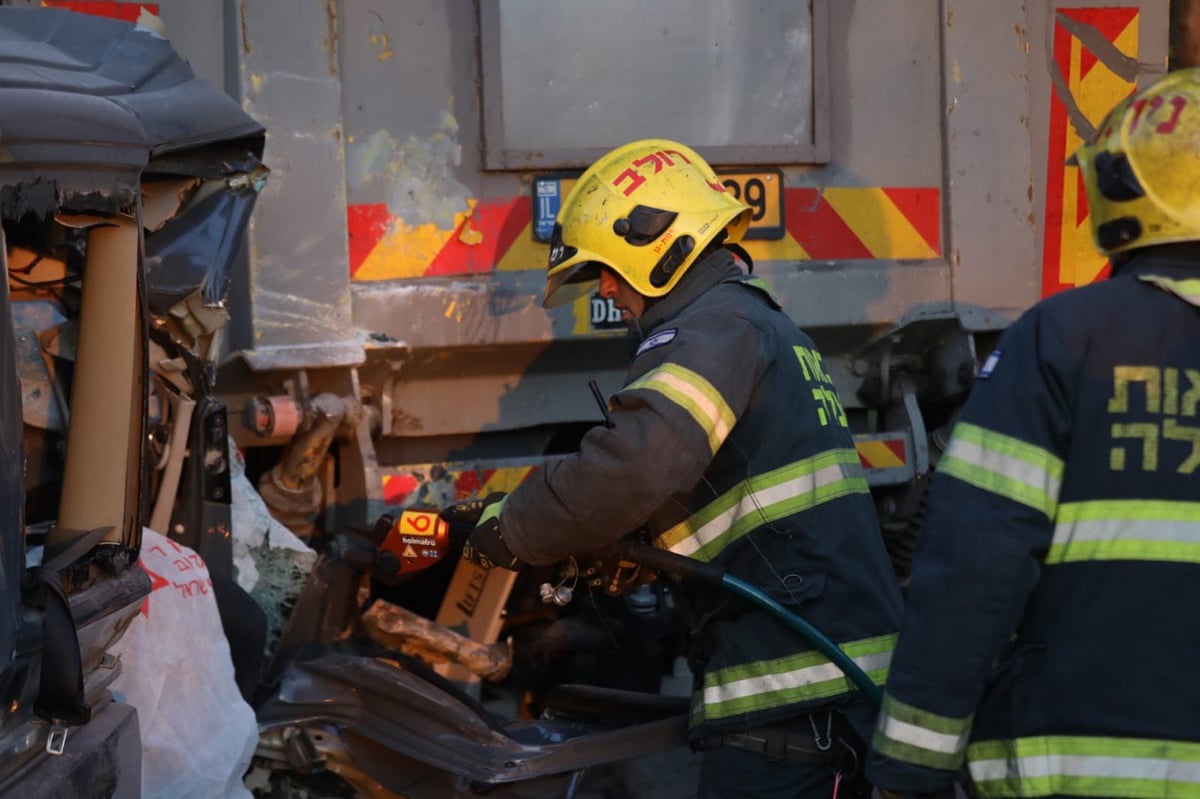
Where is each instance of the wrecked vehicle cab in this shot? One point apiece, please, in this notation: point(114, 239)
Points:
point(125, 187)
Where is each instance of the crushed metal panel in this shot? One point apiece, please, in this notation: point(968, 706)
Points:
point(195, 250)
point(161, 200)
point(87, 101)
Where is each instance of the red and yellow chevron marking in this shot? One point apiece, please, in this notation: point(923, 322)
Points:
point(838, 224)
point(885, 453)
point(468, 482)
point(383, 247)
point(833, 224)
point(1069, 258)
point(127, 12)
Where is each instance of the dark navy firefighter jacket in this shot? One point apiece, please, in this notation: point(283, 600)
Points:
point(1052, 632)
point(730, 444)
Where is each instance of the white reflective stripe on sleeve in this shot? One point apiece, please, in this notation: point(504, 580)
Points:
point(993, 462)
point(913, 735)
point(1127, 529)
point(772, 683)
point(717, 418)
point(1137, 529)
point(1106, 766)
point(754, 502)
point(1005, 465)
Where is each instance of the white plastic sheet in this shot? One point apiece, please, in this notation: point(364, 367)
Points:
point(198, 734)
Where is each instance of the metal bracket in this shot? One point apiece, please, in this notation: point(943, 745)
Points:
point(56, 741)
point(916, 425)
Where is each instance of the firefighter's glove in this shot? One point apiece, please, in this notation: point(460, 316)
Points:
point(470, 511)
point(485, 547)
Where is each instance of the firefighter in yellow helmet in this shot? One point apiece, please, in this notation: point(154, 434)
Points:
point(1048, 641)
point(727, 444)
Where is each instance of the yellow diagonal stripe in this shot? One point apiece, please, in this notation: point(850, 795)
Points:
point(406, 251)
point(1095, 94)
point(505, 479)
point(784, 249)
point(878, 223)
point(524, 253)
point(877, 455)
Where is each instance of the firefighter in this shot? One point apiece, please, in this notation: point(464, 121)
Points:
point(728, 444)
point(1050, 637)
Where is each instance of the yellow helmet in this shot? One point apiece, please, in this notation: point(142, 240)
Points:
point(1140, 172)
point(646, 211)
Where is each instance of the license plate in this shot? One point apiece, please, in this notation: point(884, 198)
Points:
point(763, 192)
point(604, 314)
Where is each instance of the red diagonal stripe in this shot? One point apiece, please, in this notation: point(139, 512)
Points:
point(896, 445)
point(366, 225)
point(127, 12)
point(923, 209)
point(1111, 22)
point(397, 487)
point(499, 222)
point(814, 224)
point(1055, 172)
point(469, 482)
point(1081, 206)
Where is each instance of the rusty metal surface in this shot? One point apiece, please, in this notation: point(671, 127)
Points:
point(401, 629)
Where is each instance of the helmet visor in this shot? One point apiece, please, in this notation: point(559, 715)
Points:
point(568, 285)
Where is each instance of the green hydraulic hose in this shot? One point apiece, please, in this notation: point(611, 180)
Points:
point(666, 561)
point(809, 633)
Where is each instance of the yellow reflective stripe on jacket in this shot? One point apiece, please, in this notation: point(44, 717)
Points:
point(1127, 529)
point(694, 394)
point(1085, 766)
point(1004, 465)
point(804, 677)
point(1188, 290)
point(766, 498)
point(761, 285)
point(912, 735)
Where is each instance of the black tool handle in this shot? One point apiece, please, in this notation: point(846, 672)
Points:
point(595, 387)
point(666, 561)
